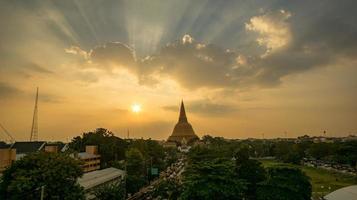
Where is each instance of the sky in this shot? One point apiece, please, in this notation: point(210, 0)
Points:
point(244, 68)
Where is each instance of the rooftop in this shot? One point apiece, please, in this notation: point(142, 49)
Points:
point(61, 146)
point(28, 147)
point(3, 145)
point(98, 177)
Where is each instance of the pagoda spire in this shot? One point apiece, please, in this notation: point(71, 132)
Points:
point(183, 131)
point(182, 117)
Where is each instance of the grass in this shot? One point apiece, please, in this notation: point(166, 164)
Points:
point(322, 181)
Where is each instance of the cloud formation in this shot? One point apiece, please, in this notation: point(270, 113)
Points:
point(37, 68)
point(273, 29)
point(7, 90)
point(288, 48)
point(113, 54)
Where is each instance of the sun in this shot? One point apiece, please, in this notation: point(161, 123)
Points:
point(136, 108)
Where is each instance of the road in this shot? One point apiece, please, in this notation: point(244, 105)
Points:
point(172, 172)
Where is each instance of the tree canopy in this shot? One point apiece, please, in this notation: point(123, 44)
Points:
point(114, 191)
point(208, 179)
point(284, 183)
point(57, 172)
point(110, 147)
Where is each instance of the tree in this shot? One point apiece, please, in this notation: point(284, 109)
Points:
point(114, 191)
point(135, 170)
point(152, 152)
point(200, 154)
point(216, 141)
point(249, 170)
point(57, 172)
point(168, 189)
point(134, 183)
point(110, 147)
point(252, 172)
point(211, 179)
point(288, 152)
point(346, 153)
point(242, 155)
point(284, 183)
point(320, 150)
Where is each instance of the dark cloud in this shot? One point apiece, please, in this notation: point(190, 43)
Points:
point(37, 68)
point(50, 98)
point(193, 64)
point(205, 107)
point(113, 54)
point(7, 91)
point(279, 40)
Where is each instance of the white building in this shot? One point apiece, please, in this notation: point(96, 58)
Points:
point(94, 179)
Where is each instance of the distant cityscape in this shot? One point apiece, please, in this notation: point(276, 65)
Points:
point(100, 172)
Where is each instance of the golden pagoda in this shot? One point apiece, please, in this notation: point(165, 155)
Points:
point(183, 131)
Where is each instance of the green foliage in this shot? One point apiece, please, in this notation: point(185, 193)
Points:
point(320, 150)
point(135, 170)
point(215, 141)
point(135, 162)
point(212, 179)
point(57, 172)
point(284, 183)
point(346, 153)
point(168, 189)
point(252, 172)
point(114, 191)
point(198, 153)
point(134, 183)
point(152, 152)
point(242, 155)
point(260, 148)
point(322, 181)
point(288, 152)
point(137, 154)
point(111, 148)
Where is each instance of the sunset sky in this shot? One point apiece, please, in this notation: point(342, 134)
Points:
point(244, 68)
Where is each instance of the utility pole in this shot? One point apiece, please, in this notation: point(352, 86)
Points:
point(126, 173)
point(42, 192)
point(150, 170)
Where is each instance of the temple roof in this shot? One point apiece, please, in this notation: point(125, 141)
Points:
point(183, 129)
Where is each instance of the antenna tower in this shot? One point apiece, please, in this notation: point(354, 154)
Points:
point(34, 128)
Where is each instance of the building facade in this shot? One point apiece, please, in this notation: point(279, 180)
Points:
point(7, 157)
point(90, 158)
